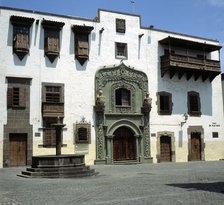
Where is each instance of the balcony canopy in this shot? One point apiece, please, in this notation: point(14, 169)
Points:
point(177, 42)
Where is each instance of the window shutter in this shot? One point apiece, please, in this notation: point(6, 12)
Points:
point(9, 97)
point(52, 44)
point(22, 97)
point(21, 41)
point(83, 47)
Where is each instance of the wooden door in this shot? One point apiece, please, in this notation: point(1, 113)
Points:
point(124, 145)
point(17, 149)
point(165, 149)
point(195, 146)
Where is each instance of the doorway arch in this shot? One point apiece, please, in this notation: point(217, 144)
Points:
point(124, 144)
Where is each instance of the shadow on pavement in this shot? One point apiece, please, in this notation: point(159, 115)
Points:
point(217, 187)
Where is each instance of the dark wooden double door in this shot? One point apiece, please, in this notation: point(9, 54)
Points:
point(195, 146)
point(124, 144)
point(17, 150)
point(165, 149)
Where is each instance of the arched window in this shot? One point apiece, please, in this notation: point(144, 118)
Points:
point(123, 97)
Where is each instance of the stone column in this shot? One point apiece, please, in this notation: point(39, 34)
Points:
point(58, 127)
point(109, 157)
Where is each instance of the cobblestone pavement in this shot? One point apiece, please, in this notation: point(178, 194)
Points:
point(166, 183)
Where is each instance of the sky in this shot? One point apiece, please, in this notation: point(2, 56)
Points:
point(203, 18)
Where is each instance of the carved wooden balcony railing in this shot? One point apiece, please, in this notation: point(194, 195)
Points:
point(52, 109)
point(190, 65)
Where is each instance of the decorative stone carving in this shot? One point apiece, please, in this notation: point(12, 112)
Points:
point(111, 114)
point(121, 73)
point(147, 104)
point(100, 101)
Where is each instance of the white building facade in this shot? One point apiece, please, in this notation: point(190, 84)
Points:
point(126, 93)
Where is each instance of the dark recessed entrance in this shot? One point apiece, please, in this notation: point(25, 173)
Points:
point(165, 149)
point(124, 144)
point(17, 150)
point(195, 146)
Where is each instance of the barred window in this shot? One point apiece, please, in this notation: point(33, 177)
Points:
point(16, 97)
point(53, 94)
point(121, 50)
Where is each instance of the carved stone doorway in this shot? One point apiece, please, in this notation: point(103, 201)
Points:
point(124, 144)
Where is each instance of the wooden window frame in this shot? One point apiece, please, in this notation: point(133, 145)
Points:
point(169, 107)
point(121, 50)
point(192, 95)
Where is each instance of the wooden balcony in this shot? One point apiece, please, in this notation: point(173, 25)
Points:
point(191, 66)
point(185, 65)
point(52, 109)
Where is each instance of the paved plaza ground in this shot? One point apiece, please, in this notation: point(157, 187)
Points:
point(145, 184)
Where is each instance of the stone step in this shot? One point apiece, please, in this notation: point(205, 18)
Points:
point(59, 174)
point(80, 175)
point(61, 168)
point(125, 162)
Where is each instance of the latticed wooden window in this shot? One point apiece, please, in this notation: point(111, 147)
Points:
point(164, 103)
point(82, 45)
point(21, 30)
point(16, 97)
point(123, 97)
point(21, 37)
point(120, 25)
point(51, 44)
point(53, 94)
point(52, 38)
point(194, 105)
point(81, 34)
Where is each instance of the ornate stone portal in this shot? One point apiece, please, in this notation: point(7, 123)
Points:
point(122, 108)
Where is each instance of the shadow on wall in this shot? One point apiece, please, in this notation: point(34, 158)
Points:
point(217, 187)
